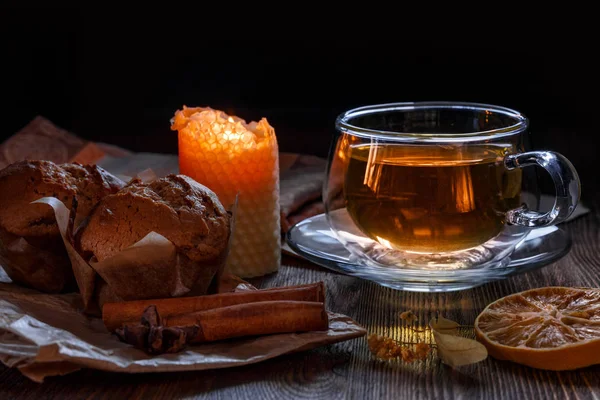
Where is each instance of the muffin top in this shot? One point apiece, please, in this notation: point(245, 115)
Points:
point(27, 181)
point(187, 213)
point(93, 183)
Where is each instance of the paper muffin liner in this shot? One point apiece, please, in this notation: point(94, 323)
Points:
point(35, 267)
point(150, 268)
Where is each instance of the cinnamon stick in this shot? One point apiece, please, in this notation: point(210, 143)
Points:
point(252, 319)
point(116, 315)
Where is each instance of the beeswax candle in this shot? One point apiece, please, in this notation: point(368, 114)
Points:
point(232, 157)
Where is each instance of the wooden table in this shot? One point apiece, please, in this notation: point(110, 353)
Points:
point(347, 370)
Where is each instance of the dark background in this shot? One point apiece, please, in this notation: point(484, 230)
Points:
point(119, 79)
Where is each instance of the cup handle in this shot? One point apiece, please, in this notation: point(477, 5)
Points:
point(566, 182)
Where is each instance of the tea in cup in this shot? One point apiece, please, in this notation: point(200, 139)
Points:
point(438, 185)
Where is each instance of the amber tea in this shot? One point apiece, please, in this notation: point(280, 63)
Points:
point(430, 199)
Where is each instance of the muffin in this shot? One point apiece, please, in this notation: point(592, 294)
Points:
point(93, 184)
point(31, 248)
point(183, 211)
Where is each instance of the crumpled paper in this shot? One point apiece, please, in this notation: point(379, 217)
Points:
point(45, 335)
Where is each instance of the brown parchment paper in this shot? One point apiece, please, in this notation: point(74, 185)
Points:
point(49, 271)
point(45, 335)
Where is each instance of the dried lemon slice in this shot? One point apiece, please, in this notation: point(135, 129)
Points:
point(553, 328)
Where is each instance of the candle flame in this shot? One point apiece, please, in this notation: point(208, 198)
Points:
point(212, 126)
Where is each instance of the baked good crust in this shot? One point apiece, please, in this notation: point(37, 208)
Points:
point(24, 182)
point(187, 213)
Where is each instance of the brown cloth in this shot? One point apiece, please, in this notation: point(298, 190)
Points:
point(40, 139)
point(301, 176)
point(301, 184)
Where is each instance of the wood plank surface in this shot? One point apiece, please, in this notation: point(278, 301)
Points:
point(346, 370)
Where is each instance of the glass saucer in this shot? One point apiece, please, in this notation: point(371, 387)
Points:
point(313, 239)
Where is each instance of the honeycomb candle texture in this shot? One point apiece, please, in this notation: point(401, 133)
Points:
point(233, 157)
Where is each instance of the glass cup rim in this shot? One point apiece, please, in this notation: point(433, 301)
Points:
point(343, 122)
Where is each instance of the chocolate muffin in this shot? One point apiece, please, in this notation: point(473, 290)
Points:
point(93, 184)
point(31, 249)
point(187, 213)
point(183, 211)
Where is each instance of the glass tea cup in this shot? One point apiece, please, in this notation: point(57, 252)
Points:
point(432, 191)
